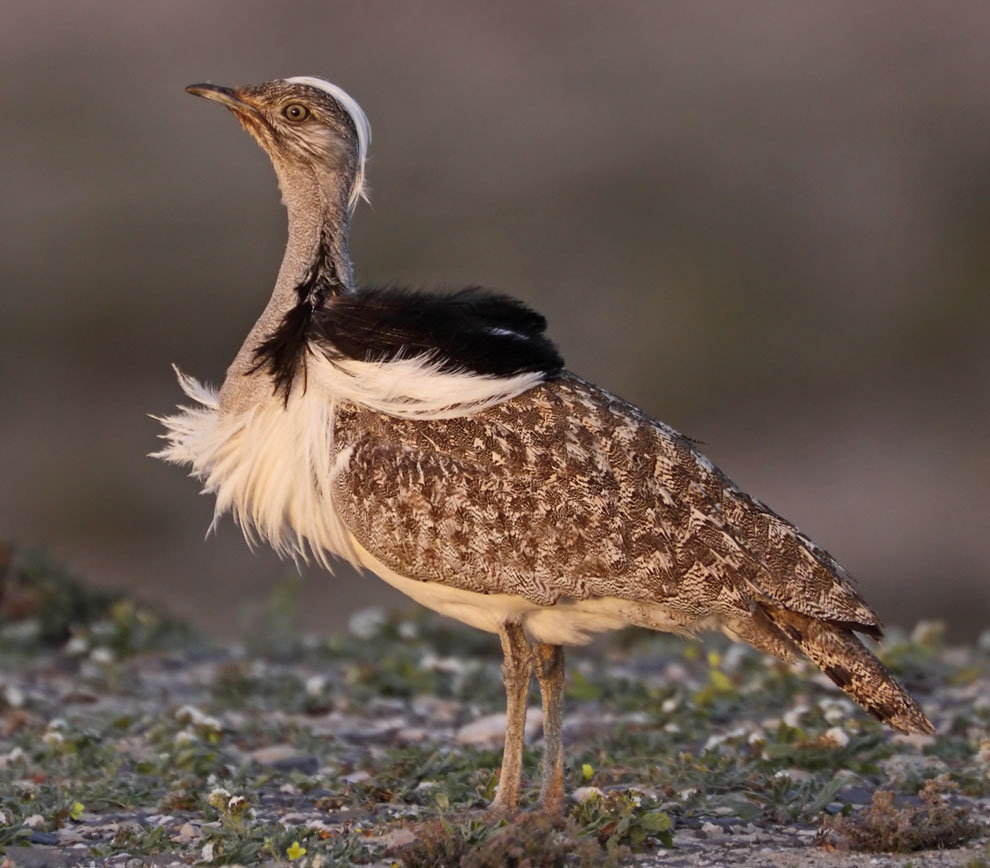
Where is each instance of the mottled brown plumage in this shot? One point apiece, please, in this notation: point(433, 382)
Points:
point(569, 492)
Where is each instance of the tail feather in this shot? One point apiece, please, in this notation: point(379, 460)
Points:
point(834, 648)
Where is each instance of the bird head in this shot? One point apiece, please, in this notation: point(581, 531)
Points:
point(308, 126)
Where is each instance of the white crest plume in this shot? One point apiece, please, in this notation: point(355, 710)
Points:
point(361, 124)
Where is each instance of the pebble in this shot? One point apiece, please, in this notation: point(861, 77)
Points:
point(437, 710)
point(395, 838)
point(187, 832)
point(284, 757)
point(356, 777)
point(411, 735)
point(489, 731)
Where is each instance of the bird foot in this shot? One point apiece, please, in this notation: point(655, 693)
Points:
point(553, 805)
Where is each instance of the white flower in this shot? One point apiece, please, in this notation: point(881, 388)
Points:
point(316, 685)
point(189, 714)
point(836, 735)
point(238, 806)
point(102, 655)
point(218, 798)
point(367, 623)
point(586, 794)
point(77, 646)
point(408, 630)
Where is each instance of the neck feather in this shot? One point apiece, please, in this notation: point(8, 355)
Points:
point(316, 253)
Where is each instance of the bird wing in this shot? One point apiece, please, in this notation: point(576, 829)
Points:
point(518, 499)
point(568, 491)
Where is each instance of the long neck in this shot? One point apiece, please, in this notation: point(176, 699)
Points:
point(319, 227)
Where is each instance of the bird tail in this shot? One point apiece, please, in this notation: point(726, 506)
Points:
point(837, 651)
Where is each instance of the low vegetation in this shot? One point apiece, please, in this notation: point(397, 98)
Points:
point(124, 735)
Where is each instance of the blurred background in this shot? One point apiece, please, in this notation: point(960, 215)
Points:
point(766, 223)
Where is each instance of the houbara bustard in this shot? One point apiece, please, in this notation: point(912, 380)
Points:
point(437, 441)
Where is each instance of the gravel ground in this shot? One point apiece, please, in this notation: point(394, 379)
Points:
point(126, 740)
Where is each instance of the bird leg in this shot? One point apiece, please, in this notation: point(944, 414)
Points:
point(517, 669)
point(550, 674)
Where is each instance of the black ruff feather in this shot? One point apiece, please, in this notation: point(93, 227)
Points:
point(283, 352)
point(472, 330)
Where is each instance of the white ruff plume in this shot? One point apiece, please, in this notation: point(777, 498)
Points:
point(273, 466)
point(413, 388)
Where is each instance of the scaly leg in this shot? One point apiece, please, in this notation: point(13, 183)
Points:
point(517, 669)
point(550, 674)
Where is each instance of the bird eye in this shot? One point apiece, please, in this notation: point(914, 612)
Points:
point(296, 112)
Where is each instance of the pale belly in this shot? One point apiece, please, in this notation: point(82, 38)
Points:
point(569, 622)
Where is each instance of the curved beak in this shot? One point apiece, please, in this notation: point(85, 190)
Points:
point(223, 95)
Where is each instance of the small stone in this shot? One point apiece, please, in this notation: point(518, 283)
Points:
point(14, 696)
point(284, 757)
point(187, 833)
point(69, 836)
point(489, 731)
point(411, 735)
point(395, 838)
point(35, 821)
point(356, 777)
point(436, 710)
point(856, 796)
point(710, 830)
